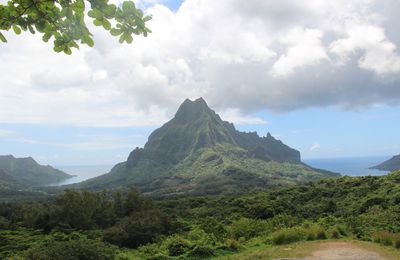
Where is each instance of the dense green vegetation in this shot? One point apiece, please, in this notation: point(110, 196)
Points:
point(198, 153)
point(126, 225)
point(80, 221)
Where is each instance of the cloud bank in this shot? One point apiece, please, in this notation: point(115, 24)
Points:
point(241, 56)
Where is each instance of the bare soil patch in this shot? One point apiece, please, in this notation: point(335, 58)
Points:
point(342, 250)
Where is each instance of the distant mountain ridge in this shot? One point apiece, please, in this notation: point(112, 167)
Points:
point(393, 164)
point(197, 150)
point(27, 172)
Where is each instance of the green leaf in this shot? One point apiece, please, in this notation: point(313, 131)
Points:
point(2, 38)
point(69, 14)
point(91, 14)
point(110, 10)
point(128, 5)
point(106, 24)
point(115, 32)
point(58, 48)
point(88, 41)
point(46, 37)
point(147, 18)
point(97, 22)
point(128, 38)
point(139, 13)
point(74, 44)
point(67, 51)
point(40, 26)
point(31, 29)
point(79, 5)
point(16, 29)
point(122, 38)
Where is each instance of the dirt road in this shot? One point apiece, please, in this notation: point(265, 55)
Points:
point(343, 251)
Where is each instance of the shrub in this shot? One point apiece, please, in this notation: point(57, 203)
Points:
point(177, 246)
point(139, 229)
point(4, 223)
point(199, 236)
point(396, 239)
point(310, 235)
point(341, 230)
point(315, 232)
point(335, 234)
point(202, 251)
point(73, 249)
point(284, 221)
point(234, 245)
point(211, 226)
point(150, 249)
point(158, 257)
point(383, 237)
point(288, 235)
point(248, 228)
point(321, 234)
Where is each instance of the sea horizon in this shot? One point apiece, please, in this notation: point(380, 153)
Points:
point(350, 166)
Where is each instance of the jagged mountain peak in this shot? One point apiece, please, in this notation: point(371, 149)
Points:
point(189, 111)
point(196, 126)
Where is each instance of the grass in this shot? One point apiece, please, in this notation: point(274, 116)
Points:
point(390, 253)
point(304, 249)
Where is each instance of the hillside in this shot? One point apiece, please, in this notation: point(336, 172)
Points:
point(198, 153)
point(392, 164)
point(8, 182)
point(27, 172)
point(277, 223)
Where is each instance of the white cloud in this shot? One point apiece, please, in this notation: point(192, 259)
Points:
point(241, 56)
point(6, 133)
point(379, 54)
point(236, 117)
point(315, 147)
point(304, 48)
point(84, 142)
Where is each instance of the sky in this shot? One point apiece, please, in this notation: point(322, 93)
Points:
point(322, 76)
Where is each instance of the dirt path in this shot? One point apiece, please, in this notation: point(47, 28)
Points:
point(343, 251)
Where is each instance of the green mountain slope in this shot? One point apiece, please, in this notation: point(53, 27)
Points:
point(8, 182)
point(392, 164)
point(197, 152)
point(27, 172)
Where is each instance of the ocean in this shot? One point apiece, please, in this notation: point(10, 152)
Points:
point(82, 172)
point(350, 166)
point(355, 166)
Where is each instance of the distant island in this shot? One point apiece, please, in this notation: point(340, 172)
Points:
point(26, 172)
point(393, 164)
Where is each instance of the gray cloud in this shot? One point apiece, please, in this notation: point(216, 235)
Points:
point(242, 56)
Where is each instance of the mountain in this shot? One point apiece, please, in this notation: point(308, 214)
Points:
point(8, 182)
point(27, 172)
point(197, 152)
point(393, 164)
